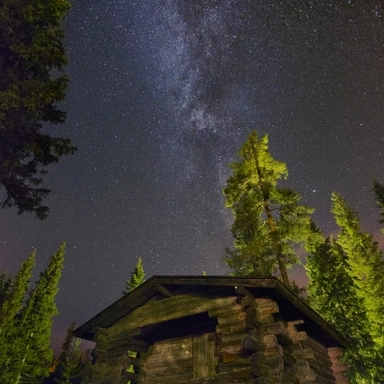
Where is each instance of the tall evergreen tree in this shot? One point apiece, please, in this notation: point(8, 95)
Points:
point(332, 293)
point(137, 277)
point(30, 354)
point(31, 55)
point(268, 220)
point(365, 263)
point(346, 284)
point(11, 306)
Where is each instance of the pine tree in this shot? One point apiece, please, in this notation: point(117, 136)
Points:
point(268, 220)
point(137, 277)
point(30, 354)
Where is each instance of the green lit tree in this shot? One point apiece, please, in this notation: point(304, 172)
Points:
point(137, 277)
point(268, 220)
point(346, 281)
point(365, 264)
point(11, 305)
point(28, 335)
point(332, 293)
point(32, 58)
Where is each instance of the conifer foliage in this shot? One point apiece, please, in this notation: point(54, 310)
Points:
point(268, 220)
point(346, 283)
point(26, 326)
point(31, 54)
point(137, 277)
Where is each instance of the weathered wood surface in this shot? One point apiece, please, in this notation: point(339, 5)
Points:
point(231, 327)
point(168, 309)
point(203, 352)
point(232, 307)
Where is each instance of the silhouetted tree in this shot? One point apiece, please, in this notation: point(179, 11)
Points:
point(31, 55)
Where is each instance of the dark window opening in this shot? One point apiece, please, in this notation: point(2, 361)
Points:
point(182, 327)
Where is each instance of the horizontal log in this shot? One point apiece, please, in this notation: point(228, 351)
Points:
point(304, 354)
point(315, 346)
point(167, 360)
point(231, 328)
point(171, 379)
point(230, 318)
point(159, 371)
point(237, 336)
point(232, 307)
point(318, 366)
point(324, 360)
point(241, 365)
point(225, 378)
point(298, 336)
point(126, 332)
point(302, 373)
point(274, 328)
point(174, 307)
point(290, 378)
point(230, 358)
point(275, 351)
point(321, 370)
point(259, 369)
point(275, 376)
point(232, 348)
point(172, 346)
point(265, 307)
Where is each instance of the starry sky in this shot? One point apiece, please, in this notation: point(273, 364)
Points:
point(162, 94)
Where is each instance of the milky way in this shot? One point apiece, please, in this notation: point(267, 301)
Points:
point(162, 94)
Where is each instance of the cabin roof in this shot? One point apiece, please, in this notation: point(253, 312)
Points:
point(291, 306)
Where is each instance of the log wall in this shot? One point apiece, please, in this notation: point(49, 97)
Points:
point(249, 344)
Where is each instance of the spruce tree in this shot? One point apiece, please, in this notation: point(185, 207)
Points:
point(332, 293)
point(365, 264)
point(137, 277)
point(30, 354)
point(346, 285)
point(268, 220)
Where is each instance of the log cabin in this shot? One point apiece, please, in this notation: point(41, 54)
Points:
point(213, 330)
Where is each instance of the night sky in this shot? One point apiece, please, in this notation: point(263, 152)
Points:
point(162, 95)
